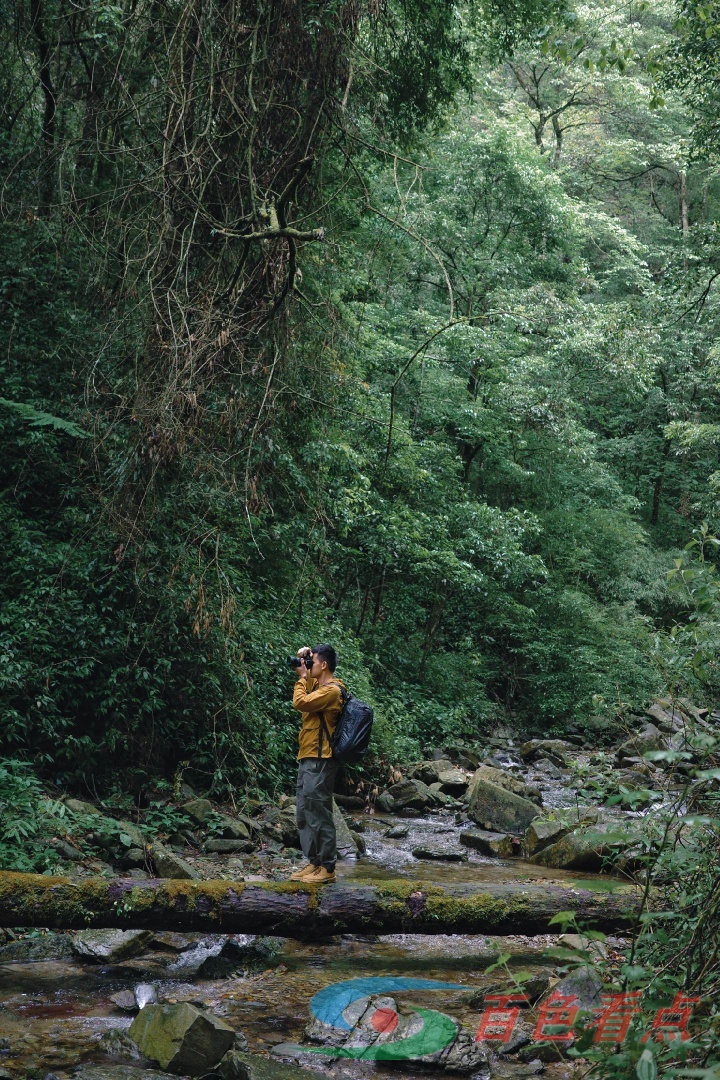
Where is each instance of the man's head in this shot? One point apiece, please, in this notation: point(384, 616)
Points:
point(324, 659)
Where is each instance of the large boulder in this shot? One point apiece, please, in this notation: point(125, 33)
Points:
point(346, 844)
point(665, 716)
point(649, 738)
point(428, 772)
point(170, 865)
point(453, 781)
point(542, 832)
point(234, 829)
point(110, 946)
point(181, 1038)
point(584, 849)
point(493, 844)
point(554, 749)
point(200, 810)
point(499, 810)
point(505, 780)
point(410, 795)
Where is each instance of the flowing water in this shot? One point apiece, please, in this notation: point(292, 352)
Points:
point(57, 1013)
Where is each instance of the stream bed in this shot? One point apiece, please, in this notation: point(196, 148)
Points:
point(57, 1015)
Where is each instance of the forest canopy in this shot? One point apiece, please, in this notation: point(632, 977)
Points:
point(392, 325)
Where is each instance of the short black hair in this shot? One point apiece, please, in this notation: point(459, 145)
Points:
point(326, 653)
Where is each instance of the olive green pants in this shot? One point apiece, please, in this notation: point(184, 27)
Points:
point(314, 810)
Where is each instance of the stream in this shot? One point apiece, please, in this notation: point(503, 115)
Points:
point(57, 1016)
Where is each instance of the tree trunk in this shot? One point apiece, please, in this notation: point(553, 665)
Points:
point(294, 909)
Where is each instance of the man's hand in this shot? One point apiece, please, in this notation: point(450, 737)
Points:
point(305, 654)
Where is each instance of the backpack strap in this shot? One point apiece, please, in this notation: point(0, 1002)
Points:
point(322, 729)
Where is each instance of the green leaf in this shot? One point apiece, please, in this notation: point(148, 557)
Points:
point(37, 418)
point(646, 1067)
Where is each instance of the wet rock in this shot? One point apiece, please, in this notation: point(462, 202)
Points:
point(360, 842)
point(540, 834)
point(199, 810)
point(637, 745)
point(453, 782)
point(145, 994)
point(48, 947)
point(665, 717)
point(397, 832)
point(229, 847)
point(235, 829)
point(584, 849)
point(181, 1038)
point(110, 946)
point(350, 802)
point(439, 797)
point(170, 865)
point(237, 1065)
point(66, 851)
point(136, 872)
point(493, 844)
point(503, 779)
point(585, 984)
point(498, 809)
point(410, 795)
point(553, 749)
point(547, 768)
point(429, 771)
point(243, 952)
point(385, 803)
point(176, 943)
point(346, 845)
point(580, 942)
point(439, 854)
point(133, 859)
point(118, 1072)
point(125, 1000)
point(522, 1034)
point(464, 756)
point(117, 1043)
point(532, 989)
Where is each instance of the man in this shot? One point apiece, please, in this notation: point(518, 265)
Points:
point(317, 695)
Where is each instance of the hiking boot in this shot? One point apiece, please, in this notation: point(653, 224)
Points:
point(303, 873)
point(321, 876)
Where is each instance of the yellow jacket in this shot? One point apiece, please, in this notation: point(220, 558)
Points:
point(310, 701)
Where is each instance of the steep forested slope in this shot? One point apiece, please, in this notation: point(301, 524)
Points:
point(293, 351)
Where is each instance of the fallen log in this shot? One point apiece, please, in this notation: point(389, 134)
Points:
point(294, 909)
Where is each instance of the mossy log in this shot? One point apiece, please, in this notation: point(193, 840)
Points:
point(293, 909)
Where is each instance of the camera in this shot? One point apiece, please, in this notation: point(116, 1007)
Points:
point(299, 661)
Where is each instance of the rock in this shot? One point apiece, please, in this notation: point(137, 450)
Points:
point(66, 851)
point(176, 943)
point(498, 809)
point(77, 806)
point(554, 749)
point(350, 802)
point(504, 780)
point(133, 859)
point(546, 767)
point(439, 797)
point(125, 1000)
point(237, 1065)
point(170, 865)
point(360, 841)
point(439, 854)
point(464, 756)
point(590, 849)
point(347, 847)
point(637, 745)
point(145, 994)
point(532, 989)
point(229, 847)
point(585, 983)
point(540, 834)
point(522, 1034)
point(453, 782)
point(181, 1038)
point(493, 844)
point(397, 832)
point(199, 810)
point(52, 946)
point(429, 771)
point(235, 829)
point(118, 1072)
point(410, 795)
point(247, 953)
point(583, 944)
point(385, 803)
point(110, 946)
point(666, 718)
point(117, 1043)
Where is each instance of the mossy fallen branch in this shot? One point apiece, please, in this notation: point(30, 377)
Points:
point(294, 909)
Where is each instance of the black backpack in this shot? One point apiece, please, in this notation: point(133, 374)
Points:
point(352, 732)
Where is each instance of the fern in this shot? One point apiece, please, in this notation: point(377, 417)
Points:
point(37, 418)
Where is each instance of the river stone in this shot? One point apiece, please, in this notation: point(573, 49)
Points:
point(181, 1038)
point(397, 832)
point(170, 865)
point(241, 1066)
point(453, 781)
point(547, 768)
point(429, 771)
point(504, 780)
point(666, 718)
point(111, 946)
point(52, 946)
point(439, 854)
point(229, 847)
point(439, 797)
point(410, 795)
point(493, 844)
point(637, 745)
point(198, 809)
point(500, 810)
point(125, 1000)
point(346, 845)
point(118, 1072)
point(235, 829)
point(585, 983)
point(589, 849)
point(554, 749)
point(540, 834)
point(385, 803)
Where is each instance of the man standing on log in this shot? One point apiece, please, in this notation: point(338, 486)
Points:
point(317, 695)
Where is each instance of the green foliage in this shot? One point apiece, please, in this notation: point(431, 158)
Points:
point(27, 818)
